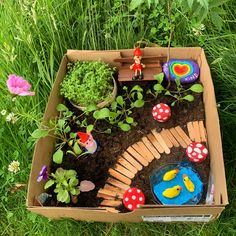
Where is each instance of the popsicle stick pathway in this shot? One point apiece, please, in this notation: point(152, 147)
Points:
point(140, 154)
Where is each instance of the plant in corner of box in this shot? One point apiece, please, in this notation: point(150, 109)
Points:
point(61, 130)
point(180, 94)
point(89, 82)
point(67, 185)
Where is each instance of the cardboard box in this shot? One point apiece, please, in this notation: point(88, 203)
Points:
point(154, 213)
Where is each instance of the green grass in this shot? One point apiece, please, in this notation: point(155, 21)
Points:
point(35, 34)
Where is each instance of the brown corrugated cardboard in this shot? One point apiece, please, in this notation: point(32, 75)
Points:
point(45, 147)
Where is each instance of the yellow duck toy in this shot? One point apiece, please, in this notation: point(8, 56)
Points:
point(172, 192)
point(170, 175)
point(188, 183)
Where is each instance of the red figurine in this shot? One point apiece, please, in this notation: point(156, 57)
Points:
point(137, 66)
point(86, 140)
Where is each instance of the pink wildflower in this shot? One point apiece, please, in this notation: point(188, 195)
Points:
point(19, 86)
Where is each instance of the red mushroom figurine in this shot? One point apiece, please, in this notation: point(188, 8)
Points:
point(133, 198)
point(196, 152)
point(161, 112)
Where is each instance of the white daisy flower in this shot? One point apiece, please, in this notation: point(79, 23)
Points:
point(10, 116)
point(14, 166)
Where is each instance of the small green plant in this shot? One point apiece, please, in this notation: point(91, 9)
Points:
point(180, 94)
point(88, 82)
point(66, 184)
point(60, 129)
point(120, 110)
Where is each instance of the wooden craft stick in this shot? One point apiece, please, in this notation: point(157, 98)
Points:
point(151, 148)
point(119, 176)
point(137, 156)
point(127, 165)
point(146, 151)
point(137, 148)
point(110, 209)
point(161, 141)
point(196, 131)
point(124, 171)
point(108, 197)
point(166, 138)
point(110, 193)
point(178, 138)
point(131, 160)
point(191, 131)
point(202, 131)
point(183, 135)
point(113, 188)
point(154, 142)
point(171, 137)
point(117, 183)
point(112, 203)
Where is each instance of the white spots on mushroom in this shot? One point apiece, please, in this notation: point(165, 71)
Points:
point(205, 151)
point(126, 199)
point(159, 106)
point(197, 150)
point(200, 156)
point(167, 111)
point(189, 149)
point(130, 190)
point(130, 206)
point(140, 199)
point(199, 145)
point(138, 205)
point(161, 110)
point(138, 191)
point(133, 197)
point(159, 117)
point(194, 153)
point(155, 113)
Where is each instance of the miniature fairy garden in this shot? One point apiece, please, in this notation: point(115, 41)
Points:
point(120, 145)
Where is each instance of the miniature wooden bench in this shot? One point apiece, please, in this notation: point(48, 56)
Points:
point(153, 66)
point(140, 154)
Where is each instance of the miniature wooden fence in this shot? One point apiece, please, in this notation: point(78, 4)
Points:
point(140, 154)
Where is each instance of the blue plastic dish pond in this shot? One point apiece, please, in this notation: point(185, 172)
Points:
point(185, 197)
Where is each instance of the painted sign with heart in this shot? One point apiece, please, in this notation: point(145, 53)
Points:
point(187, 70)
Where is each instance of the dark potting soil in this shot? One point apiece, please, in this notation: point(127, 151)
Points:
point(95, 167)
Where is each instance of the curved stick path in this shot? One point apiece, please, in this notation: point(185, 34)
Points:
point(140, 154)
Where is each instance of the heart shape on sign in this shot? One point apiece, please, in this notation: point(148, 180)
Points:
point(181, 69)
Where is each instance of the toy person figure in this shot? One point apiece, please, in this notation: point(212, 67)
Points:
point(86, 140)
point(137, 66)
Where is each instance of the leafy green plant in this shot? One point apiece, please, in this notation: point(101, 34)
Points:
point(199, 7)
point(60, 129)
point(66, 184)
point(180, 94)
point(120, 110)
point(88, 82)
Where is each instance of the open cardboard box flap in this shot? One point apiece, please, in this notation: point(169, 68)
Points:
point(45, 146)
